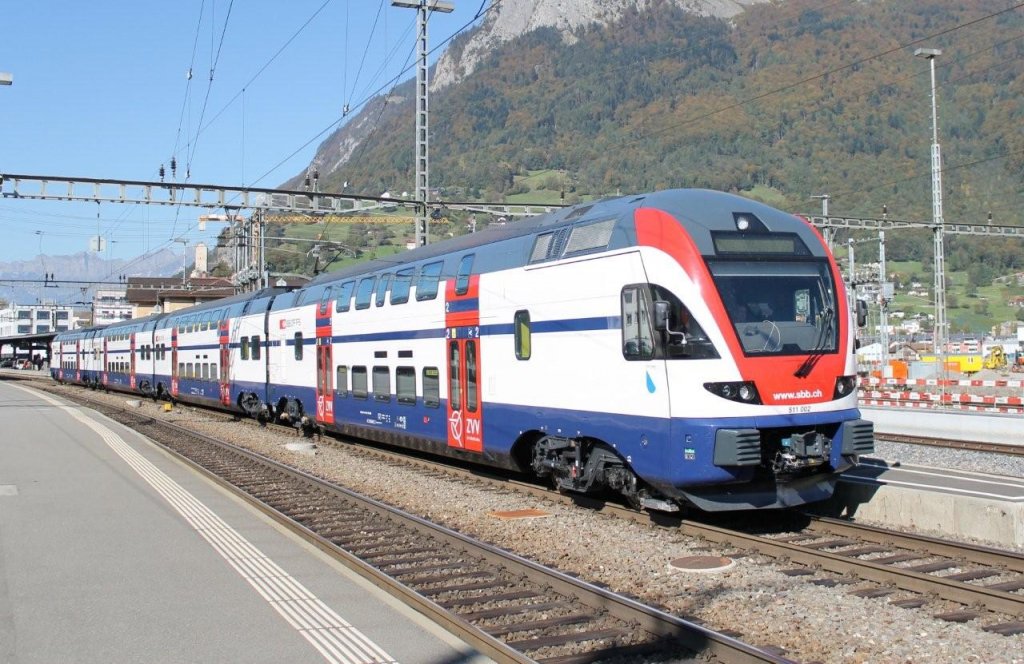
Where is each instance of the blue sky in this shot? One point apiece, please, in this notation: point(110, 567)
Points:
point(101, 91)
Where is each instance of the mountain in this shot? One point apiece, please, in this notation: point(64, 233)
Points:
point(781, 100)
point(82, 267)
point(508, 21)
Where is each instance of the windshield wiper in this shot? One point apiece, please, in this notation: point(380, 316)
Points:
point(819, 346)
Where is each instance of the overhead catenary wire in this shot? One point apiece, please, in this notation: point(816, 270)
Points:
point(263, 68)
point(372, 95)
point(209, 87)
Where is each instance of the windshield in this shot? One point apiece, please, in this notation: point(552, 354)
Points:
point(779, 307)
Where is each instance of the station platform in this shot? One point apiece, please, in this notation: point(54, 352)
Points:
point(938, 500)
point(113, 551)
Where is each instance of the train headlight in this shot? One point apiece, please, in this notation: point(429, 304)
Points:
point(741, 391)
point(845, 385)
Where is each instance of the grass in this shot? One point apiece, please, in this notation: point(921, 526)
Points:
point(964, 316)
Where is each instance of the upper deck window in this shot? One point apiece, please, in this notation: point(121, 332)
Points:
point(462, 277)
point(401, 285)
point(426, 285)
point(365, 292)
point(344, 298)
point(382, 288)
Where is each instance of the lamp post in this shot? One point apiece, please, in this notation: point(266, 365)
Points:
point(937, 223)
point(184, 257)
point(422, 116)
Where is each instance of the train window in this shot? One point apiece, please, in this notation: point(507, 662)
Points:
point(462, 277)
point(549, 246)
point(401, 285)
point(245, 348)
point(204, 370)
point(431, 387)
point(181, 369)
point(341, 381)
point(540, 247)
point(637, 334)
point(779, 307)
point(215, 372)
point(587, 238)
point(255, 346)
point(683, 336)
point(405, 384)
point(454, 365)
point(472, 378)
point(298, 346)
point(365, 292)
point(344, 298)
point(189, 370)
point(522, 334)
point(382, 288)
point(426, 285)
point(381, 384)
point(325, 301)
point(359, 390)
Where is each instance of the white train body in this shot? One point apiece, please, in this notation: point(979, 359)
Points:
point(683, 347)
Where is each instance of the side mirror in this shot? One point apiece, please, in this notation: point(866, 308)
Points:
point(662, 313)
point(862, 313)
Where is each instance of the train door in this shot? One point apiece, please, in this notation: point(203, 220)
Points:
point(105, 366)
point(78, 360)
point(223, 341)
point(324, 360)
point(465, 424)
point(174, 361)
point(131, 361)
point(462, 338)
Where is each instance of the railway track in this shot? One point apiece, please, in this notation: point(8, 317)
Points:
point(983, 580)
point(995, 448)
point(907, 570)
point(509, 608)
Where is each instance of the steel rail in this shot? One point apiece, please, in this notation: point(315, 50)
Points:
point(665, 627)
point(974, 446)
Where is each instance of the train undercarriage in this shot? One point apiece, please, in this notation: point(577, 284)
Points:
point(778, 468)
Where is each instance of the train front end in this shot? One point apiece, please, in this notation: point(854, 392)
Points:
point(764, 409)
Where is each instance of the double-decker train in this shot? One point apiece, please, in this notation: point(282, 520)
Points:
point(682, 348)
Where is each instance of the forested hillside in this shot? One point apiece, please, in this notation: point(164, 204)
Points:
point(782, 102)
point(797, 97)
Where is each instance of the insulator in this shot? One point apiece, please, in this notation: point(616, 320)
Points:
point(161, 172)
point(174, 167)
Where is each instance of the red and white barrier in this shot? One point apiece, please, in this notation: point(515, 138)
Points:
point(941, 383)
point(935, 405)
point(947, 398)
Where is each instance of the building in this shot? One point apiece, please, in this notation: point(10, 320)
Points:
point(146, 294)
point(36, 319)
point(110, 306)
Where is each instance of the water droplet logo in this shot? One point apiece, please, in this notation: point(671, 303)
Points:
point(650, 383)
